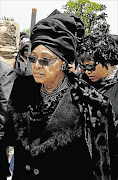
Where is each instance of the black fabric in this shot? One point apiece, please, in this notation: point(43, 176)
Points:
point(60, 33)
point(7, 77)
point(63, 141)
point(23, 35)
point(110, 89)
point(21, 65)
point(63, 148)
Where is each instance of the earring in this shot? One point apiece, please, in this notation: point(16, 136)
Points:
point(63, 67)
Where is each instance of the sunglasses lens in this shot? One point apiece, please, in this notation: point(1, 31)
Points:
point(32, 59)
point(89, 67)
point(43, 62)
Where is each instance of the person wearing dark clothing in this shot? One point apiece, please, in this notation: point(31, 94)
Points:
point(21, 59)
point(7, 77)
point(99, 62)
point(21, 65)
point(58, 124)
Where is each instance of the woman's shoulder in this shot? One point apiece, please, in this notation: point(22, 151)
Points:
point(22, 84)
point(83, 92)
point(23, 90)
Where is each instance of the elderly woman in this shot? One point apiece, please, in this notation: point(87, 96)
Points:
point(58, 124)
point(99, 62)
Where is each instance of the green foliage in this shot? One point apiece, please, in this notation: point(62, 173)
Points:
point(7, 19)
point(92, 14)
point(27, 31)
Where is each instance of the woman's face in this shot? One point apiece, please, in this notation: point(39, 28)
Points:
point(96, 73)
point(46, 74)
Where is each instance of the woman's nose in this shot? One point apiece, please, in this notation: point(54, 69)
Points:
point(87, 72)
point(37, 65)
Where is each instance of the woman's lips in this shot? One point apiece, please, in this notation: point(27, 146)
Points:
point(91, 77)
point(38, 74)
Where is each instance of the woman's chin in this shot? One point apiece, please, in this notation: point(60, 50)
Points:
point(38, 80)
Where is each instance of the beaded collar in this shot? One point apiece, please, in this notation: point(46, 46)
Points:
point(56, 93)
point(112, 74)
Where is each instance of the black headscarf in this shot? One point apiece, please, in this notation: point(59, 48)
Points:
point(100, 47)
point(61, 33)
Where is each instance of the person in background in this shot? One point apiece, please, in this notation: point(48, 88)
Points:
point(22, 34)
point(99, 64)
point(21, 64)
point(74, 68)
point(7, 77)
point(58, 124)
point(21, 67)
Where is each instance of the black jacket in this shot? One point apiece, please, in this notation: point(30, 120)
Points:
point(21, 65)
point(110, 89)
point(75, 143)
point(7, 77)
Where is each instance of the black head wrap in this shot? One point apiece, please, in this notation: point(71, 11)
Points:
point(61, 33)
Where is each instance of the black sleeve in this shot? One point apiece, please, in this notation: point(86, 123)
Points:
point(7, 77)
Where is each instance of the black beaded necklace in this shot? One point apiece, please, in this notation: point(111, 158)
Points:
point(41, 114)
point(56, 94)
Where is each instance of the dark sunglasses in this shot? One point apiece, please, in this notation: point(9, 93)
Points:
point(89, 67)
point(42, 62)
